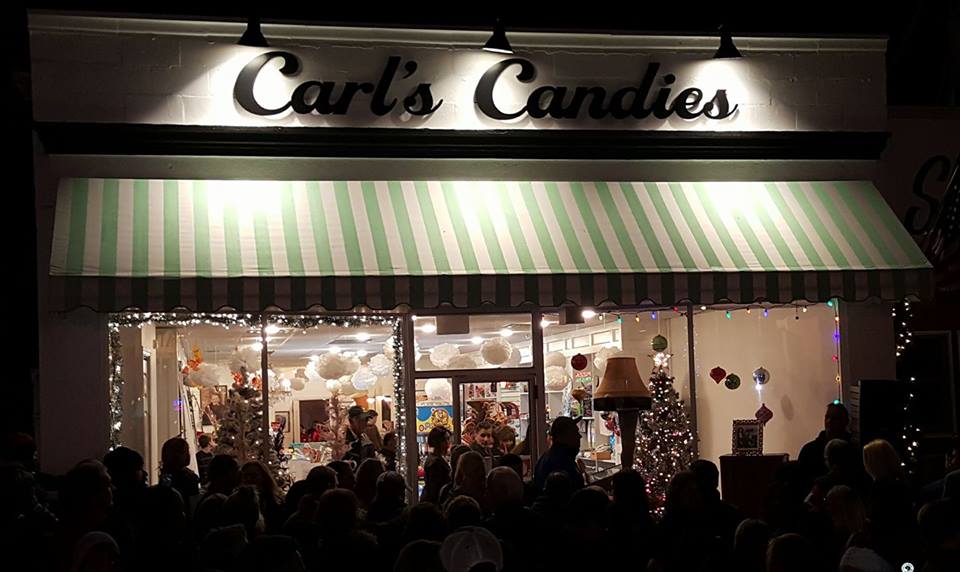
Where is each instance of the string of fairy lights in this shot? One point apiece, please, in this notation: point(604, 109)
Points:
point(903, 338)
point(295, 322)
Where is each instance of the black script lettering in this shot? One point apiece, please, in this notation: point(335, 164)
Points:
point(425, 97)
point(349, 90)
point(378, 105)
point(595, 110)
point(660, 108)
point(933, 204)
point(243, 89)
point(686, 103)
point(484, 92)
point(719, 107)
point(537, 109)
point(639, 111)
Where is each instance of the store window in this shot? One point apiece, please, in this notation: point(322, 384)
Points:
point(200, 378)
point(575, 358)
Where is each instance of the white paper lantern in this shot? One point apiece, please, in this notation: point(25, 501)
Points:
point(496, 350)
point(554, 359)
point(424, 363)
point(363, 379)
point(350, 365)
point(514, 360)
point(209, 375)
point(311, 374)
point(346, 386)
point(462, 362)
point(388, 349)
point(601, 357)
point(442, 354)
point(297, 384)
point(438, 390)
point(381, 365)
point(556, 378)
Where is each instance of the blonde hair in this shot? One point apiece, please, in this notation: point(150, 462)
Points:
point(881, 461)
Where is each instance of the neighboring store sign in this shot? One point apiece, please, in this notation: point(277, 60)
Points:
point(315, 96)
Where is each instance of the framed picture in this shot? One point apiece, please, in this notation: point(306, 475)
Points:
point(213, 403)
point(747, 437)
point(282, 418)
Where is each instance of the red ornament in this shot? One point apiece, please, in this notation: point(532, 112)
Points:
point(763, 414)
point(718, 373)
point(578, 362)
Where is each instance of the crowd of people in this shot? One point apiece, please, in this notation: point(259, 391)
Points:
point(836, 508)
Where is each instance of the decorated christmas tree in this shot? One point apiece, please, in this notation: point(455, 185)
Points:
point(665, 443)
point(241, 433)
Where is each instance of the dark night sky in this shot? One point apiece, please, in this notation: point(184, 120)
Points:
point(923, 69)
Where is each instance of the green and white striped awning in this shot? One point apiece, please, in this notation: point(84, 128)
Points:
point(205, 244)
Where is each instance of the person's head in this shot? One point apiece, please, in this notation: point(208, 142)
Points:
point(630, 490)
point(223, 474)
point(684, 493)
point(455, 455)
point(391, 488)
point(345, 477)
point(846, 510)
point(707, 474)
point(939, 524)
point(512, 462)
point(243, 507)
point(205, 443)
point(438, 439)
point(504, 489)
point(462, 511)
point(337, 512)
point(484, 436)
point(161, 513)
point(470, 471)
point(357, 418)
point(18, 449)
point(372, 418)
point(835, 420)
point(255, 474)
point(750, 543)
point(506, 438)
point(589, 504)
point(471, 548)
point(215, 399)
point(125, 467)
point(564, 432)
point(390, 442)
point(424, 522)
point(419, 556)
point(366, 486)
point(174, 455)
point(387, 425)
point(317, 425)
point(838, 455)
point(790, 553)
point(209, 514)
point(881, 461)
point(320, 480)
point(86, 493)
point(558, 486)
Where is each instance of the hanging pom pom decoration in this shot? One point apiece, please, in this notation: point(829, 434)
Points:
point(732, 381)
point(297, 384)
point(424, 363)
point(554, 359)
point(496, 350)
point(438, 390)
point(351, 365)
point(209, 375)
point(246, 358)
point(659, 343)
point(311, 374)
point(761, 376)
point(717, 374)
point(333, 385)
point(763, 414)
point(388, 349)
point(441, 355)
point(332, 366)
point(381, 365)
point(363, 379)
point(514, 360)
point(556, 378)
point(346, 386)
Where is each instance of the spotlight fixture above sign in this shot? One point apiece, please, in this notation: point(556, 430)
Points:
point(498, 42)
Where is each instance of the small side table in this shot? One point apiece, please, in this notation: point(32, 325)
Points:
point(745, 480)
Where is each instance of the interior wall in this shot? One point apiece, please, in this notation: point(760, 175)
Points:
point(798, 353)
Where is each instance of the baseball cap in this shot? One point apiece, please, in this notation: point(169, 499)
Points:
point(468, 547)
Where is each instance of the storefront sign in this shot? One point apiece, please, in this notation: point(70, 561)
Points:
point(555, 101)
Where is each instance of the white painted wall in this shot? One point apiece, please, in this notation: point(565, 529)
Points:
point(168, 72)
point(797, 353)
